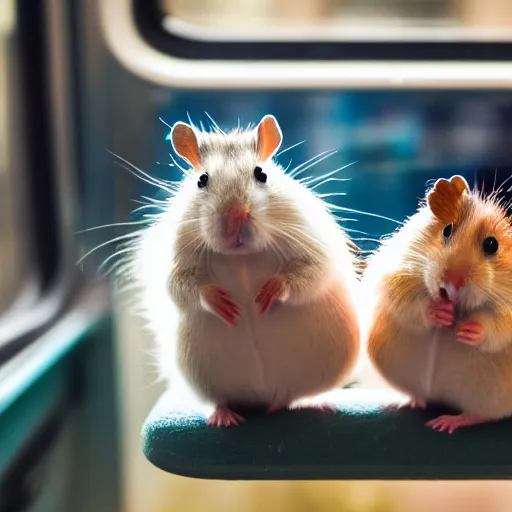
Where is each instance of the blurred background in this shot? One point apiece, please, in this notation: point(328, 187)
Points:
point(82, 78)
point(343, 14)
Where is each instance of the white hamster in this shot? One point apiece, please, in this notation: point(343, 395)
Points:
point(260, 273)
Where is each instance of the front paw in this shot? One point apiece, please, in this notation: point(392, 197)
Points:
point(218, 301)
point(441, 313)
point(470, 332)
point(274, 289)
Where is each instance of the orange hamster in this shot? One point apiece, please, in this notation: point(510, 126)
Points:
point(440, 326)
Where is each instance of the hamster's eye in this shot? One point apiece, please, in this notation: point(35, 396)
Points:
point(203, 180)
point(260, 175)
point(490, 246)
point(447, 231)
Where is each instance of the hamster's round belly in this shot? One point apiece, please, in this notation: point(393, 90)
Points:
point(438, 368)
point(270, 359)
point(474, 381)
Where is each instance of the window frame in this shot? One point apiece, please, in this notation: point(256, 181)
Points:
point(44, 192)
point(150, 23)
point(132, 50)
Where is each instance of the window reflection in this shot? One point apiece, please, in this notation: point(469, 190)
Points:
point(9, 267)
point(434, 16)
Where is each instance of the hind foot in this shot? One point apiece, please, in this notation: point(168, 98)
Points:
point(315, 405)
point(413, 403)
point(225, 417)
point(322, 407)
point(450, 423)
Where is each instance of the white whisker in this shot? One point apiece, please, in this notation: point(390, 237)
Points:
point(216, 126)
point(289, 148)
point(312, 162)
point(133, 169)
point(158, 202)
point(281, 231)
point(115, 224)
point(357, 231)
point(142, 178)
point(366, 240)
point(314, 179)
point(117, 268)
point(166, 124)
point(112, 256)
point(182, 249)
point(350, 210)
point(331, 194)
point(186, 172)
point(343, 219)
point(104, 244)
point(145, 207)
point(326, 181)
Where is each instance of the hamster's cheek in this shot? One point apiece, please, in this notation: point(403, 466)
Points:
point(432, 279)
point(260, 198)
point(211, 231)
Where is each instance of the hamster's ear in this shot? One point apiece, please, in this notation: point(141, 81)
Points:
point(445, 198)
point(184, 142)
point(269, 137)
point(460, 183)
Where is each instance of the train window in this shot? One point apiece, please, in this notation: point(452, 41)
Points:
point(333, 76)
point(341, 17)
point(36, 277)
point(216, 43)
point(328, 30)
point(10, 262)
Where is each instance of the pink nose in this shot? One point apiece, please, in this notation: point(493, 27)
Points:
point(235, 218)
point(456, 279)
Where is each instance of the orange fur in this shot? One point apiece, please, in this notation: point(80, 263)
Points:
point(184, 141)
point(445, 199)
point(382, 331)
point(405, 275)
point(402, 287)
point(269, 137)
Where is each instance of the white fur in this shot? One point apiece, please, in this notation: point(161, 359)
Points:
point(295, 350)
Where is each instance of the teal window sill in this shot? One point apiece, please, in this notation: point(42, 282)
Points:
point(36, 380)
point(360, 441)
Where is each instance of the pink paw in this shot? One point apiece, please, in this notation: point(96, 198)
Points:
point(413, 403)
point(271, 291)
point(440, 313)
point(451, 423)
point(470, 332)
point(224, 417)
point(218, 301)
point(417, 403)
point(315, 406)
point(322, 407)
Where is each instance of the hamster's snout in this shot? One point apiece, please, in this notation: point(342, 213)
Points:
point(451, 283)
point(234, 220)
point(236, 227)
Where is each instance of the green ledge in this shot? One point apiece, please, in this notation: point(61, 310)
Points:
point(359, 441)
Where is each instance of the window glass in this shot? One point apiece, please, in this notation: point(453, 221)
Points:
point(9, 260)
point(489, 18)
